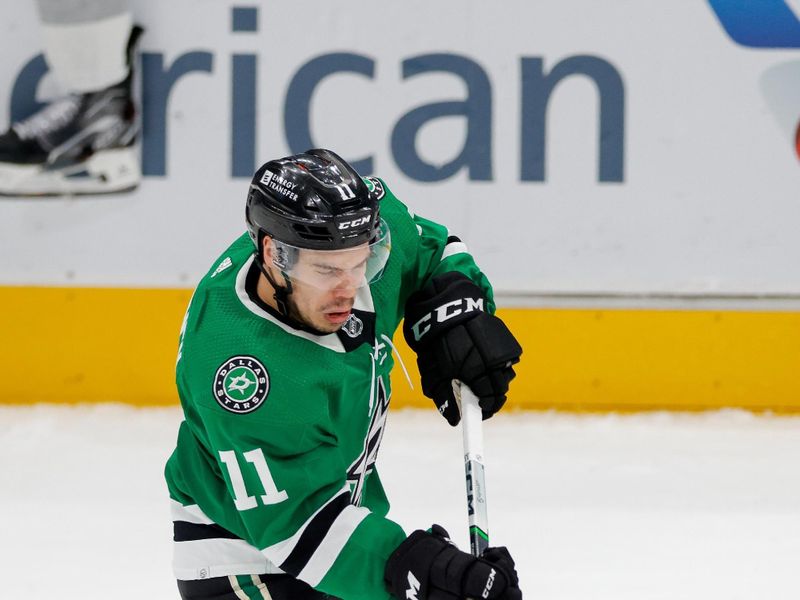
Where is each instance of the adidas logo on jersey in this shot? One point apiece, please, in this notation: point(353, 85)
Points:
point(413, 587)
point(222, 266)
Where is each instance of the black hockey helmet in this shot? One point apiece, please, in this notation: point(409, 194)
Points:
point(317, 203)
point(313, 200)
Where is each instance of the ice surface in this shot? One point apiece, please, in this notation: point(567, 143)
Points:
point(643, 507)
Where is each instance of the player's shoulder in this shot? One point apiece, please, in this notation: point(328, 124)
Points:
point(392, 209)
point(216, 316)
point(227, 265)
point(220, 283)
point(234, 361)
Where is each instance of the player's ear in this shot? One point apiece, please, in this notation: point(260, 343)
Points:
point(267, 249)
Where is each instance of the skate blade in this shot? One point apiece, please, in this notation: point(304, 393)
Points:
point(107, 171)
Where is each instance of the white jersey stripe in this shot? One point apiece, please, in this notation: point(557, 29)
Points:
point(332, 544)
point(454, 248)
point(278, 553)
point(217, 557)
point(190, 514)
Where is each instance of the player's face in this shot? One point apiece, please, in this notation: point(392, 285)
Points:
point(324, 286)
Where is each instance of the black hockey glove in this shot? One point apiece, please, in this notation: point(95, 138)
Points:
point(427, 566)
point(445, 324)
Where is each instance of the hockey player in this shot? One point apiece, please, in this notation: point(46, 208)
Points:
point(83, 142)
point(283, 375)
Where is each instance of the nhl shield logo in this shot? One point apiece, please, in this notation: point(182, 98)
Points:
point(353, 326)
point(241, 384)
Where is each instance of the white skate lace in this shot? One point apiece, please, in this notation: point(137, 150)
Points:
point(50, 118)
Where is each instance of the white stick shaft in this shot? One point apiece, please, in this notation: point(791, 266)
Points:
point(472, 428)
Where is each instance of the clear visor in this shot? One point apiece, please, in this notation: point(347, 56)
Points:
point(349, 268)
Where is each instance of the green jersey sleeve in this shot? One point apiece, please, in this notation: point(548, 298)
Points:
point(430, 249)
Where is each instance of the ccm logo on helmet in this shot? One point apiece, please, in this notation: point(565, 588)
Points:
point(354, 223)
point(445, 312)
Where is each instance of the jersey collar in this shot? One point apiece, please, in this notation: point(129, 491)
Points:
point(363, 307)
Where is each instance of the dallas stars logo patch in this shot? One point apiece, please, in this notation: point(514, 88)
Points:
point(375, 186)
point(241, 384)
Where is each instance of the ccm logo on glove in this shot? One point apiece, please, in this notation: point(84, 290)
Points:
point(445, 312)
point(454, 337)
point(489, 583)
point(413, 587)
point(427, 566)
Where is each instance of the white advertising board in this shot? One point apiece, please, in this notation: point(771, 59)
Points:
point(631, 147)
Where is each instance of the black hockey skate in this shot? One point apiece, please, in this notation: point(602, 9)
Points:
point(79, 144)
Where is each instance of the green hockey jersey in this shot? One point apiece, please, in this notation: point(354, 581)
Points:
point(274, 468)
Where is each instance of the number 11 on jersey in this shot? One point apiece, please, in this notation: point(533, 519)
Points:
point(241, 499)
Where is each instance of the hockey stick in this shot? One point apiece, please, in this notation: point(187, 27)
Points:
point(472, 429)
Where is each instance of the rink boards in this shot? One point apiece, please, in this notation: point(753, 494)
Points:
point(119, 345)
point(597, 154)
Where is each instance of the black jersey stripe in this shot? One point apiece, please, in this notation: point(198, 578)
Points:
point(189, 532)
point(314, 533)
point(452, 239)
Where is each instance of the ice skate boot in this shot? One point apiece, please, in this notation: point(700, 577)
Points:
point(78, 144)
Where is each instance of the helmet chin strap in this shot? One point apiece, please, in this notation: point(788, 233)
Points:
point(281, 295)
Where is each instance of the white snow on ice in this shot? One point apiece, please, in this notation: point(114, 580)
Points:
point(651, 506)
